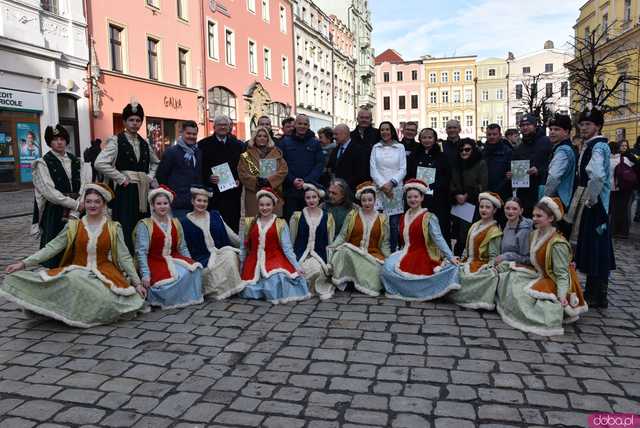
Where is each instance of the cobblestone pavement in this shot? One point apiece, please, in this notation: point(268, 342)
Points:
point(352, 362)
point(15, 203)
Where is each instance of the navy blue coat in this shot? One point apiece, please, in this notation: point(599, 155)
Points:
point(304, 157)
point(498, 159)
point(179, 174)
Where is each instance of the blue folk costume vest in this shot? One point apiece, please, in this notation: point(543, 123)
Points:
point(602, 144)
point(195, 237)
point(302, 238)
point(567, 181)
point(126, 160)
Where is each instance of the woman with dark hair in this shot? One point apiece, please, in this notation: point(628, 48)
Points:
point(95, 282)
point(469, 178)
point(388, 168)
point(515, 236)
point(428, 158)
point(540, 299)
point(623, 162)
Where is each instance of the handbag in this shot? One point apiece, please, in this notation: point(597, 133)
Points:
point(625, 176)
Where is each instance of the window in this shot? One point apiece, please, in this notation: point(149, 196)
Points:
point(399, 76)
point(519, 91)
point(468, 95)
point(212, 40)
point(627, 10)
point(433, 97)
point(414, 74)
point(251, 6)
point(115, 47)
point(468, 120)
point(445, 96)
point(183, 67)
point(230, 46)
point(154, 3)
point(50, 6)
point(432, 77)
point(526, 70)
point(434, 122)
point(564, 89)
point(548, 90)
point(519, 116)
point(152, 57)
point(458, 118)
point(386, 103)
point(267, 63)
point(587, 33)
point(492, 72)
point(456, 76)
point(401, 102)
point(283, 19)
point(414, 101)
point(285, 70)
point(624, 88)
point(444, 77)
point(266, 14)
point(605, 23)
point(485, 95)
point(500, 120)
point(445, 119)
point(468, 75)
point(484, 123)
point(183, 9)
point(499, 94)
point(385, 76)
point(253, 58)
point(548, 68)
point(222, 101)
point(456, 97)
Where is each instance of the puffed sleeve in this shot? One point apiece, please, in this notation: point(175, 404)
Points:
point(560, 256)
point(436, 234)
point(105, 162)
point(52, 249)
point(125, 261)
point(596, 171)
point(287, 247)
point(557, 167)
point(142, 249)
point(44, 186)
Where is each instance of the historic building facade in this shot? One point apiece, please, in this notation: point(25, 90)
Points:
point(43, 61)
point(344, 72)
point(400, 89)
point(451, 93)
point(491, 91)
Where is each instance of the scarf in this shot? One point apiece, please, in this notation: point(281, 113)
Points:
point(190, 152)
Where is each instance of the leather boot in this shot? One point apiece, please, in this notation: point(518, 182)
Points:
point(604, 290)
point(591, 294)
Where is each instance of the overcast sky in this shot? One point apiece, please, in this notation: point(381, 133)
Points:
point(487, 28)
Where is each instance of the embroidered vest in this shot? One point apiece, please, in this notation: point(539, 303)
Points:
point(265, 257)
point(126, 160)
point(421, 256)
point(479, 245)
point(59, 175)
point(194, 237)
point(302, 237)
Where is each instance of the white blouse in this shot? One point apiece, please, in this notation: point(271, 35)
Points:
point(388, 162)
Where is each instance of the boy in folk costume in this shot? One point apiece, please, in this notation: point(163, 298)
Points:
point(130, 162)
point(58, 182)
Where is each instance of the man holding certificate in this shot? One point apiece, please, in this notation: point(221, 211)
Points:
point(220, 156)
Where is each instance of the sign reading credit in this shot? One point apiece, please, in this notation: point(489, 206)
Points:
point(19, 100)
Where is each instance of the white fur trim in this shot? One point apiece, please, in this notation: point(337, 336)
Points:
point(181, 305)
point(536, 243)
point(228, 293)
point(416, 186)
point(311, 186)
point(553, 206)
point(450, 287)
point(108, 196)
point(290, 299)
point(263, 192)
point(540, 331)
point(479, 305)
point(338, 282)
point(159, 191)
point(198, 191)
point(489, 197)
point(166, 254)
point(362, 189)
point(476, 229)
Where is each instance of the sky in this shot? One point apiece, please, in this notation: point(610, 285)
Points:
point(486, 28)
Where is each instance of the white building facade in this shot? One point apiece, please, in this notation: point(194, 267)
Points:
point(43, 59)
point(314, 64)
point(547, 68)
point(344, 72)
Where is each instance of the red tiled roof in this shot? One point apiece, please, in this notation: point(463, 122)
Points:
point(389, 56)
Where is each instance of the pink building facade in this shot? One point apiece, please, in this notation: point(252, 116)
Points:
point(400, 90)
point(248, 61)
point(151, 51)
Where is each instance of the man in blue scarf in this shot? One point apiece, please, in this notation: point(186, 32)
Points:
point(180, 168)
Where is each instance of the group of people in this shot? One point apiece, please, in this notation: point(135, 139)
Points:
point(165, 233)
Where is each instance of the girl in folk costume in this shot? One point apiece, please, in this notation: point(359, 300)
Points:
point(58, 179)
point(172, 279)
point(312, 231)
point(89, 287)
point(214, 245)
point(478, 278)
point(362, 245)
point(538, 300)
point(270, 270)
point(417, 271)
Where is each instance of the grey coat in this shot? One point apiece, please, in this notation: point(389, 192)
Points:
point(515, 242)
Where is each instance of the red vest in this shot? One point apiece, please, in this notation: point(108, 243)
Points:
point(159, 266)
point(265, 257)
point(416, 259)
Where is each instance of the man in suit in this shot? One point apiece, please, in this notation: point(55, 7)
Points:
point(348, 160)
point(365, 134)
point(222, 147)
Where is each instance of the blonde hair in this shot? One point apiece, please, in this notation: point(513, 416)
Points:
point(252, 141)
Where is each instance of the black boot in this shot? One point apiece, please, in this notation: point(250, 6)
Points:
point(604, 290)
point(591, 294)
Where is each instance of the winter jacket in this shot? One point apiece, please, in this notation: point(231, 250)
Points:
point(304, 158)
point(498, 159)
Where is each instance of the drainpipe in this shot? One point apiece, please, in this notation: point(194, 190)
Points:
point(204, 50)
point(89, 80)
point(333, 80)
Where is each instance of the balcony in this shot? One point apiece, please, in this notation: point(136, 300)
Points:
point(365, 41)
point(365, 70)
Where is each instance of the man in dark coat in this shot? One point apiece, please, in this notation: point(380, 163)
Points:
point(365, 134)
point(222, 147)
point(452, 145)
point(348, 160)
point(409, 132)
point(497, 154)
point(181, 168)
point(536, 148)
point(303, 153)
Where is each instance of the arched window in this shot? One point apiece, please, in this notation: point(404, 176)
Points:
point(222, 101)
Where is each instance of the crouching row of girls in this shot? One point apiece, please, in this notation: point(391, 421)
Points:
point(528, 275)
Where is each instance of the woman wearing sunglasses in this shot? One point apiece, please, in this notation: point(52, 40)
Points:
point(469, 178)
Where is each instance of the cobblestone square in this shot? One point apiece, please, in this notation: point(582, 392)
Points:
point(352, 361)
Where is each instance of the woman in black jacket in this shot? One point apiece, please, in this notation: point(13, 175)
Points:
point(429, 155)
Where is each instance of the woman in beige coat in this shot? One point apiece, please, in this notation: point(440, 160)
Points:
point(262, 165)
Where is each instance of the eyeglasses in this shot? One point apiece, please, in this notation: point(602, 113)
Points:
point(466, 150)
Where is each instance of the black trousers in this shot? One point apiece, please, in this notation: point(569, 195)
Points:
point(228, 204)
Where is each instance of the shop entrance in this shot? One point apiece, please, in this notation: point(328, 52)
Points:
point(20, 145)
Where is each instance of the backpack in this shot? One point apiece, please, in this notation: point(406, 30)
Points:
point(625, 176)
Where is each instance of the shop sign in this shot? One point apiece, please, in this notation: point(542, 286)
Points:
point(19, 100)
point(174, 103)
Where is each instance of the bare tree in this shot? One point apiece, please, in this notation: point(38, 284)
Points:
point(597, 57)
point(535, 98)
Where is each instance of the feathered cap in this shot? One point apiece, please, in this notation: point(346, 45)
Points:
point(161, 190)
point(54, 132)
point(362, 187)
point(555, 205)
point(134, 108)
point(592, 114)
point(416, 184)
point(315, 187)
point(492, 197)
point(104, 191)
point(201, 190)
point(268, 192)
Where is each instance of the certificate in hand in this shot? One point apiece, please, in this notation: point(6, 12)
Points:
point(519, 177)
point(428, 175)
point(226, 181)
point(268, 167)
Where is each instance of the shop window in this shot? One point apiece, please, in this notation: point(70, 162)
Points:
point(222, 101)
point(20, 145)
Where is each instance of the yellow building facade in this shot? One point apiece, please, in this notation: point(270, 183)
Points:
point(451, 93)
point(622, 17)
point(492, 88)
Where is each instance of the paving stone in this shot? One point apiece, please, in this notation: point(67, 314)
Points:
point(175, 405)
point(203, 412)
point(501, 395)
point(557, 418)
point(114, 400)
point(280, 407)
point(498, 412)
point(80, 415)
point(238, 418)
point(288, 365)
point(404, 420)
point(453, 423)
point(372, 402)
point(281, 422)
point(37, 409)
point(366, 417)
point(411, 405)
point(120, 419)
point(546, 399)
point(589, 402)
point(79, 395)
point(328, 369)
